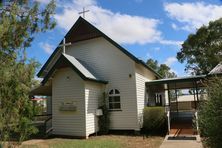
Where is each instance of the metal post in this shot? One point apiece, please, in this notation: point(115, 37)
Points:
point(168, 112)
point(176, 99)
point(197, 93)
point(168, 91)
point(194, 94)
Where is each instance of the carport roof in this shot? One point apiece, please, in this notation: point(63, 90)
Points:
point(179, 83)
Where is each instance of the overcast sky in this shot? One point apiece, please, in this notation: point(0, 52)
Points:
point(146, 28)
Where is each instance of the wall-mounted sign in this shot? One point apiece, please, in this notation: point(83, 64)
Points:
point(68, 106)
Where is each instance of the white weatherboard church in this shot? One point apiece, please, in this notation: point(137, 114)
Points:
point(77, 77)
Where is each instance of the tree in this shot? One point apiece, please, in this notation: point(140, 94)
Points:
point(202, 51)
point(210, 114)
point(20, 20)
point(153, 64)
point(162, 69)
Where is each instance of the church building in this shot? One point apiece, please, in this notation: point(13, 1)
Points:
point(90, 65)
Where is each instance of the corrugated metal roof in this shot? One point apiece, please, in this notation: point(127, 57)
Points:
point(179, 79)
point(79, 66)
point(76, 65)
point(217, 69)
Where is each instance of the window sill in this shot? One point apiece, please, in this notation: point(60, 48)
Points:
point(115, 110)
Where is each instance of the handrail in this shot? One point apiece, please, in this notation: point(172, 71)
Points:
point(42, 115)
point(48, 120)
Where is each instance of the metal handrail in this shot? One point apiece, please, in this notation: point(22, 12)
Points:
point(46, 122)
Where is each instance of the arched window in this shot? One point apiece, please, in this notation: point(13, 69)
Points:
point(114, 100)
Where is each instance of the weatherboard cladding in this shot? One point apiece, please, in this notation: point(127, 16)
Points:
point(93, 91)
point(77, 31)
point(110, 64)
point(66, 123)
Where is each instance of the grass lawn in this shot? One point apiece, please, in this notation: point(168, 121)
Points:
point(109, 141)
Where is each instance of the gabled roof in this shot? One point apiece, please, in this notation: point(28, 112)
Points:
point(216, 70)
point(83, 30)
point(68, 61)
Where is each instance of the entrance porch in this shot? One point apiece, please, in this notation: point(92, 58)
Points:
point(180, 97)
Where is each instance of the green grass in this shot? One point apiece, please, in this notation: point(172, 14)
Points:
point(107, 141)
point(99, 143)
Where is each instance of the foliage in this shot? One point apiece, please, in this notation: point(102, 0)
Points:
point(202, 51)
point(154, 119)
point(39, 108)
point(16, 108)
point(162, 69)
point(104, 120)
point(19, 21)
point(210, 114)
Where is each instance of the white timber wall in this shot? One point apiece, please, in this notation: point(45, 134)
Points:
point(93, 92)
point(67, 86)
point(112, 65)
point(142, 75)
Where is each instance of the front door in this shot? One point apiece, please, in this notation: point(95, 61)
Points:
point(158, 99)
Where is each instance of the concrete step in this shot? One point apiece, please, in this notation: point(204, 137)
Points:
point(182, 143)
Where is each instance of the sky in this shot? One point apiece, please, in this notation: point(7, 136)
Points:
point(146, 28)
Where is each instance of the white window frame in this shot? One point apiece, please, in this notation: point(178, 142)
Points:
point(114, 94)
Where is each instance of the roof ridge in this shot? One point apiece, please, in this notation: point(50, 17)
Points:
point(130, 55)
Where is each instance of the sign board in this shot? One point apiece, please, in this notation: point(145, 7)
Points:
point(68, 106)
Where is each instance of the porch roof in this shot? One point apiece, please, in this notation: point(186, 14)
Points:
point(178, 83)
point(42, 90)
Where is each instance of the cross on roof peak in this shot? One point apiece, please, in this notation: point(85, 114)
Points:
point(64, 44)
point(83, 12)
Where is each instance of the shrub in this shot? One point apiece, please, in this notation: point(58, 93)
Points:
point(154, 119)
point(210, 114)
point(104, 120)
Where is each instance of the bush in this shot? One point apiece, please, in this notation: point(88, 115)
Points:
point(154, 120)
point(210, 114)
point(104, 120)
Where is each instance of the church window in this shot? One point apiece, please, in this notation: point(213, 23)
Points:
point(114, 100)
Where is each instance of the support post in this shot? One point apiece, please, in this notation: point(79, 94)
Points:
point(197, 93)
point(176, 99)
point(168, 91)
point(195, 103)
point(169, 110)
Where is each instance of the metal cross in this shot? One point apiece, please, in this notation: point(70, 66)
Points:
point(83, 12)
point(64, 45)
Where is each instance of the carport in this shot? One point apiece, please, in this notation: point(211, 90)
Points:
point(179, 117)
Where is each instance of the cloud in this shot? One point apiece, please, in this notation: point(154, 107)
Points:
point(123, 28)
point(156, 49)
point(46, 47)
point(148, 55)
point(174, 71)
point(37, 78)
point(192, 15)
point(171, 42)
point(170, 61)
point(43, 1)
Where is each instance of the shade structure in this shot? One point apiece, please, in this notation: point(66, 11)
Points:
point(41, 90)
